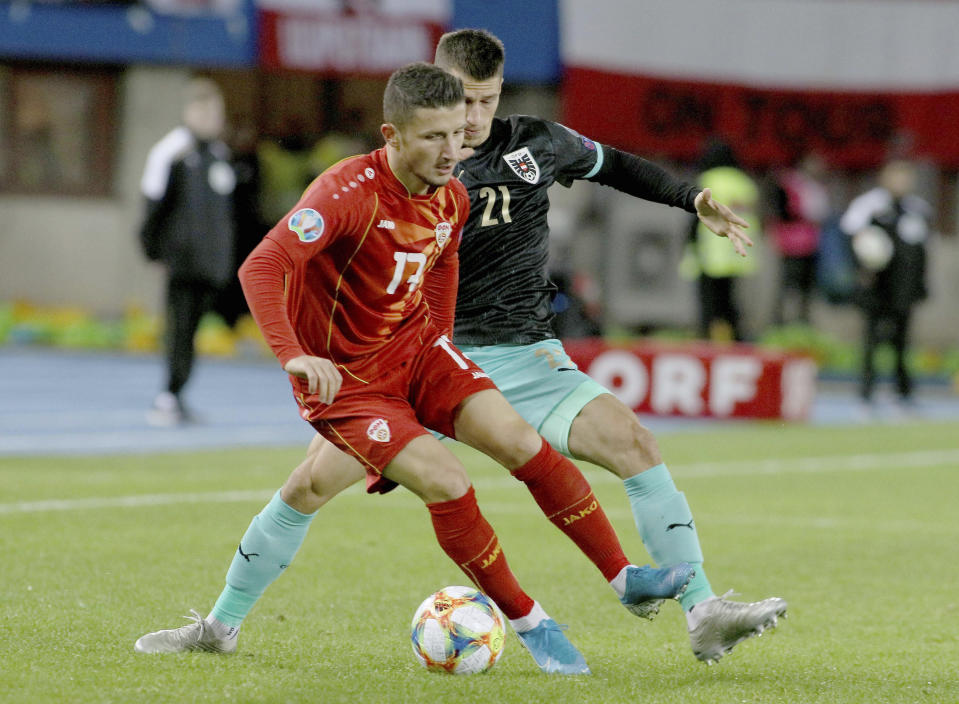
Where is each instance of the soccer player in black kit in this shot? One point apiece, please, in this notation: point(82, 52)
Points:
point(503, 317)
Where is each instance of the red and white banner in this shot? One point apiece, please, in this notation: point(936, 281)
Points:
point(700, 379)
point(653, 116)
point(356, 38)
point(776, 78)
point(344, 45)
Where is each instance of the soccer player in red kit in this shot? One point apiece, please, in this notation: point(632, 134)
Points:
point(338, 290)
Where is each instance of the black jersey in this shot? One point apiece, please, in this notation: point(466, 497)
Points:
point(504, 292)
point(189, 223)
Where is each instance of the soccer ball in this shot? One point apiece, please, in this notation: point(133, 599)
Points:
point(872, 247)
point(458, 630)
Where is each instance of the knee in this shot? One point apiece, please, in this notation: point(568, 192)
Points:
point(506, 438)
point(622, 445)
point(514, 444)
point(645, 445)
point(314, 482)
point(297, 492)
point(444, 484)
point(633, 447)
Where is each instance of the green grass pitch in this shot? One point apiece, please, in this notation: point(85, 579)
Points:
point(856, 526)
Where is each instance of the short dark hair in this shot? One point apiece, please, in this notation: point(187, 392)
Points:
point(475, 52)
point(419, 85)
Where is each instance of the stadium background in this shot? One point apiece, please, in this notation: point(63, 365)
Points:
point(88, 87)
point(855, 80)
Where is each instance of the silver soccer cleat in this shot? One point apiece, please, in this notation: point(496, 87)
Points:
point(193, 636)
point(724, 624)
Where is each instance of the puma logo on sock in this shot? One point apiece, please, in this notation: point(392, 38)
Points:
point(247, 556)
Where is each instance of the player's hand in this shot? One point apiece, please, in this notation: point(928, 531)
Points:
point(722, 221)
point(323, 378)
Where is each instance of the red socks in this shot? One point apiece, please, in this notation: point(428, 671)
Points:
point(566, 498)
point(470, 542)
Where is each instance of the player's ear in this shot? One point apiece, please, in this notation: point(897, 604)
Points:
point(390, 134)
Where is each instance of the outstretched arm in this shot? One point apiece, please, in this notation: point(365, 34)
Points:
point(644, 179)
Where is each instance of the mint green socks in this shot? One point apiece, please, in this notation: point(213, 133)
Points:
point(267, 548)
point(666, 526)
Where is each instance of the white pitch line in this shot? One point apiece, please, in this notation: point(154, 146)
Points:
point(134, 501)
point(826, 463)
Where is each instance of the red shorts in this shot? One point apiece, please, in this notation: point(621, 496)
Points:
point(373, 421)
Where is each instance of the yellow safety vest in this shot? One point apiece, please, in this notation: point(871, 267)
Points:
point(716, 255)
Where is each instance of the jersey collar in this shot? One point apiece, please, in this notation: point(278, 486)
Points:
point(497, 131)
point(392, 183)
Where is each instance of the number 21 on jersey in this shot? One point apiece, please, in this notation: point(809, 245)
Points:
point(490, 214)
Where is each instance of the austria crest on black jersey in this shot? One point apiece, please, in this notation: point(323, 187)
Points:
point(523, 164)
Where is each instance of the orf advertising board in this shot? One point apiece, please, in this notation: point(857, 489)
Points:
point(700, 380)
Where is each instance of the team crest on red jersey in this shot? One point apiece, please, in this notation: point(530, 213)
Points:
point(378, 431)
point(443, 232)
point(523, 164)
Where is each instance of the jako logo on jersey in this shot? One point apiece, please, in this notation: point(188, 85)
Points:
point(523, 164)
point(480, 375)
point(307, 224)
point(387, 224)
point(379, 431)
point(443, 232)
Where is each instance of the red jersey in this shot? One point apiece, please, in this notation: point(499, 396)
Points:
point(340, 277)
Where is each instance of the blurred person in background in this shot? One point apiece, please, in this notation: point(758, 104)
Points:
point(799, 207)
point(575, 305)
point(291, 161)
point(250, 224)
point(286, 168)
point(189, 227)
point(577, 300)
point(890, 227)
point(707, 259)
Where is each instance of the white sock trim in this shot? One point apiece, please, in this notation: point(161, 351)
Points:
point(531, 620)
point(618, 583)
point(221, 630)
